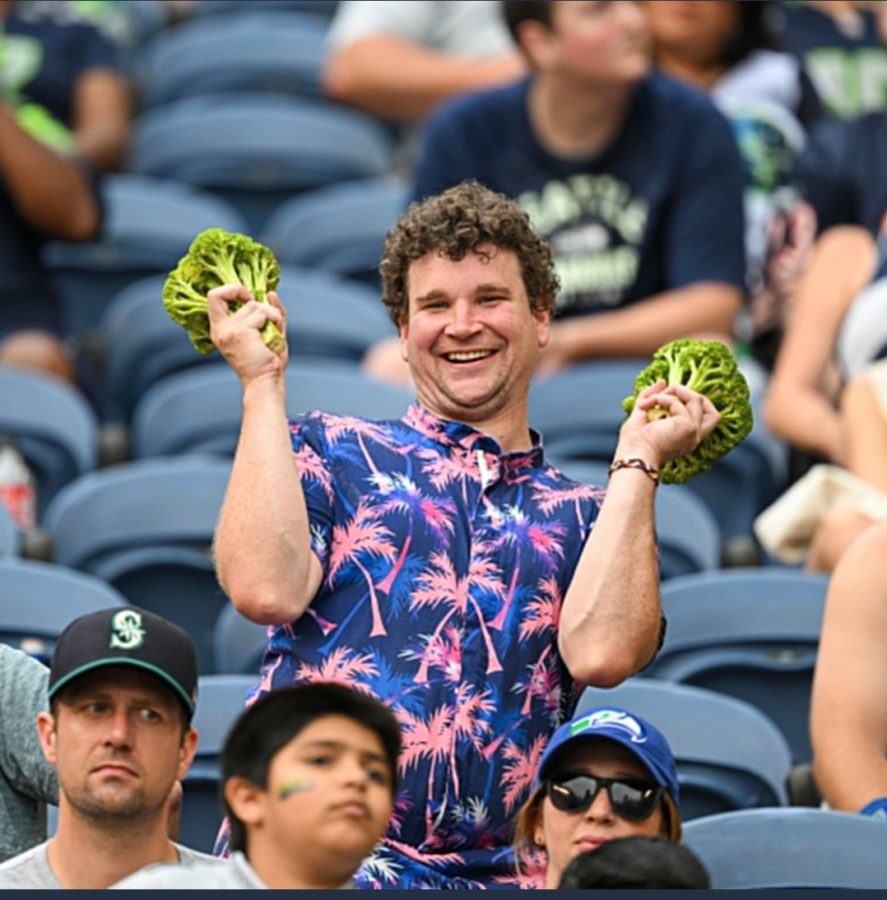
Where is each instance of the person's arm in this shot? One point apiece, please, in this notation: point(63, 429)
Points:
point(262, 545)
point(395, 78)
point(797, 407)
point(51, 193)
point(611, 617)
point(698, 310)
point(848, 714)
point(102, 111)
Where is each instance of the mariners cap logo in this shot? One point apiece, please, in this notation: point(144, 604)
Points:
point(127, 632)
point(614, 719)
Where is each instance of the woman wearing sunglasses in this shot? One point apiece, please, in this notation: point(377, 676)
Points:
point(606, 774)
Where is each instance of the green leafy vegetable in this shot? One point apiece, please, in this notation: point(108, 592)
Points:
point(710, 368)
point(218, 257)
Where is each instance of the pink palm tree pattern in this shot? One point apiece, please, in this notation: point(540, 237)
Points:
point(445, 564)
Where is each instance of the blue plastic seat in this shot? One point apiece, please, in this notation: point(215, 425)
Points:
point(220, 700)
point(238, 643)
point(729, 755)
point(146, 527)
point(9, 534)
point(199, 411)
point(327, 317)
point(317, 7)
point(149, 225)
point(688, 535)
point(339, 228)
point(257, 150)
point(790, 848)
point(750, 633)
point(274, 51)
point(54, 428)
point(39, 600)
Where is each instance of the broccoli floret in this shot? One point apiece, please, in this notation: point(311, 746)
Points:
point(710, 368)
point(218, 257)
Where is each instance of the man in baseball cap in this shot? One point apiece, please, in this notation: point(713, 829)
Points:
point(122, 689)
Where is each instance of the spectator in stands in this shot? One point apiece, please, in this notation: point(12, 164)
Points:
point(848, 715)
point(309, 775)
point(27, 781)
point(122, 687)
point(728, 49)
point(826, 396)
point(605, 775)
point(636, 863)
point(634, 179)
point(64, 111)
point(398, 58)
point(438, 561)
point(841, 43)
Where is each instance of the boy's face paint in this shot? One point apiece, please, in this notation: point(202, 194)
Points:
point(296, 786)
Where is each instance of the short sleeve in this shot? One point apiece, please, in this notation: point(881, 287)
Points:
point(357, 19)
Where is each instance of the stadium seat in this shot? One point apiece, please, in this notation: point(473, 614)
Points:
point(238, 643)
point(39, 600)
point(199, 411)
point(53, 427)
point(149, 224)
point(339, 228)
point(9, 534)
point(327, 317)
point(688, 535)
point(257, 150)
point(220, 700)
point(146, 528)
point(318, 7)
point(790, 848)
point(263, 51)
point(749, 633)
point(729, 755)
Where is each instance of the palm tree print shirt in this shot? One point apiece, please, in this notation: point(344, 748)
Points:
point(445, 563)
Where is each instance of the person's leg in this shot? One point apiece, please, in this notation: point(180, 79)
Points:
point(38, 351)
point(836, 532)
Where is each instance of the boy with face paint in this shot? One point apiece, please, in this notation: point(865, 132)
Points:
point(308, 781)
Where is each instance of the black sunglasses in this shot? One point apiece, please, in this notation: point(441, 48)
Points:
point(633, 800)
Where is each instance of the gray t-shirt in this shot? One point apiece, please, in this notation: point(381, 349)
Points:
point(31, 871)
point(27, 781)
point(234, 873)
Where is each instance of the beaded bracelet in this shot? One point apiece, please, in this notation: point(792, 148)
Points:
point(634, 463)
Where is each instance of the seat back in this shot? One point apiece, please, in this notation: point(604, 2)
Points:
point(790, 848)
point(200, 410)
point(39, 600)
point(749, 633)
point(53, 427)
point(238, 643)
point(220, 700)
point(728, 754)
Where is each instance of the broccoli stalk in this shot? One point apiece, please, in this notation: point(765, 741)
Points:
point(708, 367)
point(218, 257)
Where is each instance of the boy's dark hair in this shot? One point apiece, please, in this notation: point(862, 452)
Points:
point(457, 222)
point(267, 726)
point(517, 12)
point(636, 862)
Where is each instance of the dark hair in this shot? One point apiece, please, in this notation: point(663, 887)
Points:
point(457, 222)
point(757, 31)
point(267, 726)
point(636, 862)
point(517, 12)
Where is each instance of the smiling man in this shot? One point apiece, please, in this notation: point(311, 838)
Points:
point(122, 688)
point(308, 780)
point(438, 561)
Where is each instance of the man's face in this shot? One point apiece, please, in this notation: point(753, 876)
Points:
point(117, 743)
point(597, 42)
point(327, 802)
point(470, 337)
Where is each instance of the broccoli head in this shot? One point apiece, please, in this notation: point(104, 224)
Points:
point(710, 368)
point(218, 257)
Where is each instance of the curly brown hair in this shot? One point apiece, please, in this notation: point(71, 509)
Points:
point(454, 223)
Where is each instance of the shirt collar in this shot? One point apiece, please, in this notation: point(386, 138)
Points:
point(458, 434)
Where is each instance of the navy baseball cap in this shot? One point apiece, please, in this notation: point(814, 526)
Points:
point(123, 636)
point(610, 723)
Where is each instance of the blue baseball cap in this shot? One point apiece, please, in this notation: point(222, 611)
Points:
point(610, 723)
